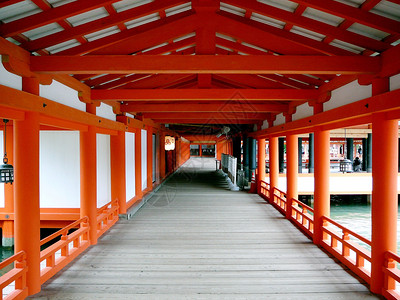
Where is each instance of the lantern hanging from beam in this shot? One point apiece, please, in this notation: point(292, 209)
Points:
point(169, 143)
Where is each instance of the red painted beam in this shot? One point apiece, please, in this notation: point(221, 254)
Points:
point(354, 14)
point(271, 38)
point(246, 107)
point(207, 115)
point(97, 25)
point(205, 94)
point(205, 121)
point(139, 38)
point(50, 16)
point(221, 64)
point(311, 24)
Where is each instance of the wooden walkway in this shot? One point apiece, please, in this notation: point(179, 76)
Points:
point(197, 240)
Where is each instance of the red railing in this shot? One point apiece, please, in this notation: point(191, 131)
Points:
point(303, 217)
point(392, 276)
point(107, 216)
point(265, 187)
point(62, 252)
point(13, 283)
point(279, 200)
point(346, 246)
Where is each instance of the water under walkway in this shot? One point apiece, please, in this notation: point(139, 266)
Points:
point(195, 239)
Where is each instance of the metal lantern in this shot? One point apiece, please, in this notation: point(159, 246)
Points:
point(6, 170)
point(346, 166)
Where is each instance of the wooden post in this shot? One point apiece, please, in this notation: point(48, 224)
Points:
point(273, 163)
point(88, 152)
point(118, 177)
point(261, 163)
point(26, 188)
point(384, 189)
point(321, 179)
point(291, 171)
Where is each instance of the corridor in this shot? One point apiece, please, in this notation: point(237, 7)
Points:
point(195, 239)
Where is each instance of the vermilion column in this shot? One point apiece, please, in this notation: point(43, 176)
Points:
point(321, 182)
point(273, 163)
point(88, 153)
point(8, 226)
point(118, 177)
point(26, 189)
point(138, 163)
point(384, 189)
point(162, 156)
point(292, 159)
point(149, 158)
point(261, 163)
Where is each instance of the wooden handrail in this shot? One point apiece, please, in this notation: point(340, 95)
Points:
point(64, 230)
point(344, 229)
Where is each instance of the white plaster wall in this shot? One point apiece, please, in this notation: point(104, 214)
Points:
point(9, 79)
point(265, 124)
point(106, 111)
point(280, 119)
point(302, 112)
point(103, 169)
point(395, 82)
point(60, 93)
point(2, 201)
point(144, 159)
point(59, 169)
point(346, 94)
point(130, 165)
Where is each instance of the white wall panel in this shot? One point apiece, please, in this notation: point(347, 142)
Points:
point(59, 169)
point(106, 111)
point(280, 119)
point(62, 94)
point(395, 82)
point(130, 165)
point(9, 79)
point(144, 159)
point(348, 93)
point(103, 169)
point(303, 111)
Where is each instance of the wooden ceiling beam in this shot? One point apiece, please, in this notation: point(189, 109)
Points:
point(96, 25)
point(228, 64)
point(311, 24)
point(354, 14)
point(50, 16)
point(182, 106)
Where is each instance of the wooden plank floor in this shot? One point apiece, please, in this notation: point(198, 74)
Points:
point(197, 240)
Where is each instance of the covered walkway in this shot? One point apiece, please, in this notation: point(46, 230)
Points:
point(194, 239)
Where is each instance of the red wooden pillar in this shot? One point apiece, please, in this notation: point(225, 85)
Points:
point(88, 153)
point(118, 177)
point(261, 163)
point(26, 188)
point(273, 163)
point(149, 158)
point(8, 226)
point(321, 182)
point(292, 159)
point(138, 163)
point(384, 189)
point(162, 156)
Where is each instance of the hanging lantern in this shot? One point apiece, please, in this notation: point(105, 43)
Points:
point(6, 170)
